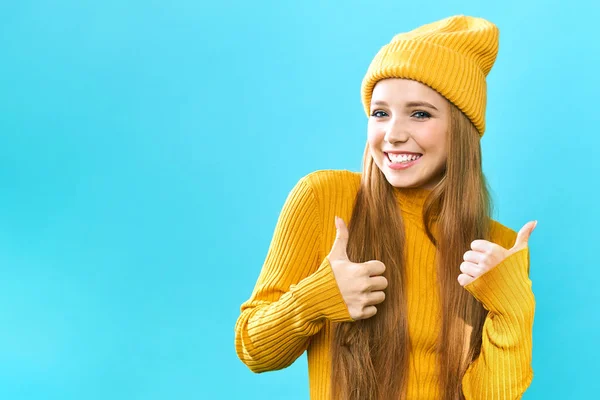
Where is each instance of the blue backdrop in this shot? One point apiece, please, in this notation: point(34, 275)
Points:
point(147, 147)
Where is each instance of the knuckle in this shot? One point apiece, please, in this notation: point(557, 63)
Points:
point(364, 286)
point(363, 299)
point(362, 314)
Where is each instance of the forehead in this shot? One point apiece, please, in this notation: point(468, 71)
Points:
point(402, 90)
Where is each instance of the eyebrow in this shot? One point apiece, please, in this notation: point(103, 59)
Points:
point(410, 104)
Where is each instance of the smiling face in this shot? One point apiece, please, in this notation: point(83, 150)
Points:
point(407, 132)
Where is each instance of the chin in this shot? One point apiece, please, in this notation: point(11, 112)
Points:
point(401, 182)
point(408, 181)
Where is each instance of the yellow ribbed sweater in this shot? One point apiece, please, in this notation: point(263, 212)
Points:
point(296, 297)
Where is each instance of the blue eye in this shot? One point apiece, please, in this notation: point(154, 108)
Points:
point(377, 113)
point(421, 115)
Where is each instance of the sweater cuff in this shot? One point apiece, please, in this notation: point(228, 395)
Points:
point(506, 288)
point(318, 296)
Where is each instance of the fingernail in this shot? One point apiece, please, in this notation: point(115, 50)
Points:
point(535, 224)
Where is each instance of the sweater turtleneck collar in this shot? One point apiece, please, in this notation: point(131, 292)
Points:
point(411, 200)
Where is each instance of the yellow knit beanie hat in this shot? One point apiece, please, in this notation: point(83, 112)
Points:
point(452, 56)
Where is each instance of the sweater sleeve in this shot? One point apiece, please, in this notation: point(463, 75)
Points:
point(503, 369)
point(295, 292)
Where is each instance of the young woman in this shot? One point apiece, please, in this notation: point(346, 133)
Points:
point(422, 296)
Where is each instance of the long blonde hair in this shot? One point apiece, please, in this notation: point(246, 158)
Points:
point(370, 357)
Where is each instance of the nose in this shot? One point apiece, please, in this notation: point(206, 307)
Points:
point(396, 132)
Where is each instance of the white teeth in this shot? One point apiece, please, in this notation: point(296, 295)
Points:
point(402, 158)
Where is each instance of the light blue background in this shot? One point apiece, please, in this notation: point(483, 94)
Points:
point(147, 147)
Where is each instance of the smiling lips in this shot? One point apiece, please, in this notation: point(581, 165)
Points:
point(402, 160)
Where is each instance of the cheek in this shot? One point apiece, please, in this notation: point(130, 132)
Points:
point(374, 137)
point(433, 142)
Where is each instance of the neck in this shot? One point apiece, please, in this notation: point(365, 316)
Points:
point(411, 200)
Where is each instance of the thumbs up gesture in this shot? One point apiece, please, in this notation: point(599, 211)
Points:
point(361, 284)
point(485, 255)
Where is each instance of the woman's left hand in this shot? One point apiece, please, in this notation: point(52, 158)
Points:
point(485, 255)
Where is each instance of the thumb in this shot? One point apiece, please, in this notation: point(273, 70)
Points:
point(338, 250)
point(523, 236)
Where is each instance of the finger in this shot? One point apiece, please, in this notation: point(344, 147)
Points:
point(474, 257)
point(375, 298)
point(470, 269)
point(484, 246)
point(374, 267)
point(523, 235)
point(338, 250)
point(377, 283)
point(368, 312)
point(465, 279)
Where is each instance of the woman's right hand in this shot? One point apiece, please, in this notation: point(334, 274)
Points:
point(361, 284)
